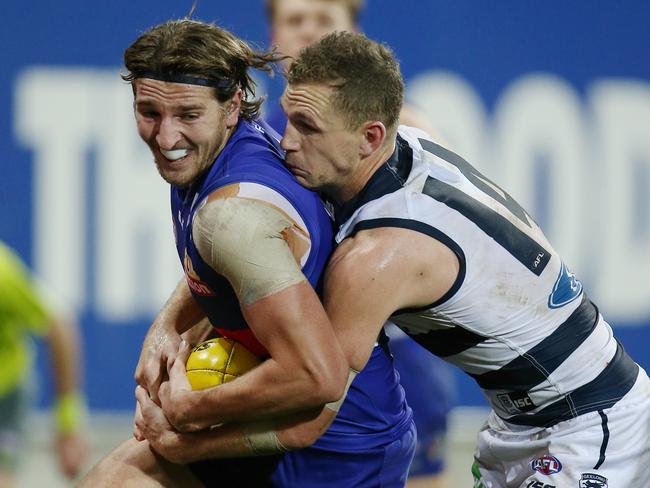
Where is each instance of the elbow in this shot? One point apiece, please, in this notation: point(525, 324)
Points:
point(298, 440)
point(331, 381)
point(303, 435)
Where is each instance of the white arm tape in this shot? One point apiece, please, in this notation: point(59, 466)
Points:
point(335, 406)
point(243, 240)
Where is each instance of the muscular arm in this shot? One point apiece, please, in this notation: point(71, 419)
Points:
point(229, 440)
point(378, 272)
point(246, 241)
point(179, 314)
point(368, 278)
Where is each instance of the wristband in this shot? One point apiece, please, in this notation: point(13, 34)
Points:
point(69, 412)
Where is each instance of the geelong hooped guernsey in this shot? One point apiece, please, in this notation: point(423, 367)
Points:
point(516, 319)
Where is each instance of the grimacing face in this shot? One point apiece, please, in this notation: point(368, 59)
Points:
point(299, 23)
point(177, 116)
point(320, 151)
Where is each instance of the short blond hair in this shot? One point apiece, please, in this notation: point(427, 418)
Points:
point(365, 75)
point(354, 8)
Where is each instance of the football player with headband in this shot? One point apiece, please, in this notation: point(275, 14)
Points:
point(253, 244)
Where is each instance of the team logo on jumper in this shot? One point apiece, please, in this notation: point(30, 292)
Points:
point(591, 480)
point(194, 280)
point(516, 402)
point(546, 464)
point(566, 289)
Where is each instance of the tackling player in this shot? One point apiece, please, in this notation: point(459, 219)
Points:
point(427, 380)
point(428, 242)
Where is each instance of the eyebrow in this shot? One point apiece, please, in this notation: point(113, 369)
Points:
point(182, 108)
point(191, 108)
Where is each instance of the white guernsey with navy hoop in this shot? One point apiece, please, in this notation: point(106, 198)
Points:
point(516, 319)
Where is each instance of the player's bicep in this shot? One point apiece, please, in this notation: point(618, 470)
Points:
point(357, 305)
point(258, 244)
point(255, 243)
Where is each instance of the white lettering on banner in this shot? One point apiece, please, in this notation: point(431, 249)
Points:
point(51, 118)
point(596, 212)
point(63, 114)
point(139, 267)
point(457, 111)
point(621, 115)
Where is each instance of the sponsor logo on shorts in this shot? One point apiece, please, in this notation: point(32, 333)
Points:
point(516, 402)
point(546, 464)
point(538, 484)
point(591, 480)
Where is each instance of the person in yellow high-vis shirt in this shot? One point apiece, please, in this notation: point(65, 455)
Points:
point(25, 313)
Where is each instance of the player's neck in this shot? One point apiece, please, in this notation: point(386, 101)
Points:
point(366, 168)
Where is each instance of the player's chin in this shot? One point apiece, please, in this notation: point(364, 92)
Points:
point(302, 176)
point(175, 176)
point(305, 181)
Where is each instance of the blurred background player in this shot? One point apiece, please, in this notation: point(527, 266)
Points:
point(23, 312)
point(294, 24)
point(428, 381)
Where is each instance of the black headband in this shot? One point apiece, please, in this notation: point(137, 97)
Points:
point(191, 80)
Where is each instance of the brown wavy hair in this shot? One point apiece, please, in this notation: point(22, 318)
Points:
point(202, 50)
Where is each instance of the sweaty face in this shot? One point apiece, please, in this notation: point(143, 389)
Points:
point(320, 151)
point(298, 23)
point(184, 125)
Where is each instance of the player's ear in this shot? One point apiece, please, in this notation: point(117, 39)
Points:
point(373, 135)
point(233, 106)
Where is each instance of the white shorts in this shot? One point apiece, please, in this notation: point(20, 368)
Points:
point(603, 449)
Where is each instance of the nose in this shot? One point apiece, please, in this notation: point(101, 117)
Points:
point(289, 140)
point(310, 32)
point(168, 134)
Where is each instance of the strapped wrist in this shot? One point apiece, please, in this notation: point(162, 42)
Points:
point(262, 439)
point(69, 412)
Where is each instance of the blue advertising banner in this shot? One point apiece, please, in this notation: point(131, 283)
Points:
point(551, 100)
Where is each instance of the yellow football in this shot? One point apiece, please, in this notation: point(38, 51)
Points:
point(218, 361)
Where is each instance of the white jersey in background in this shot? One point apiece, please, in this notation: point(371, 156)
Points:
point(516, 319)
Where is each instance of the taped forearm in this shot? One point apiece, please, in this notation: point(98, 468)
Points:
point(262, 438)
point(224, 441)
